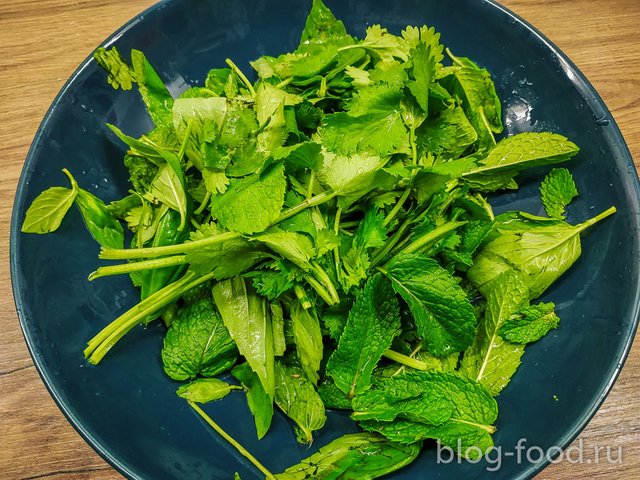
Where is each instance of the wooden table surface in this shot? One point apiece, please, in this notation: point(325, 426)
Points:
point(43, 41)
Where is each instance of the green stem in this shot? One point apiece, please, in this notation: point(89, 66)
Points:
point(320, 290)
point(187, 136)
point(389, 244)
point(310, 186)
point(302, 296)
point(242, 76)
point(99, 345)
point(431, 237)
point(592, 221)
point(243, 451)
point(138, 266)
point(405, 360)
point(284, 83)
point(397, 207)
point(322, 277)
point(336, 251)
point(151, 252)
point(203, 205)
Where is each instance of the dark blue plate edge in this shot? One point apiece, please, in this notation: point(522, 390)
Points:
point(13, 243)
point(588, 92)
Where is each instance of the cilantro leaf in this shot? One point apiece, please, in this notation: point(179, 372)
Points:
point(252, 203)
point(557, 190)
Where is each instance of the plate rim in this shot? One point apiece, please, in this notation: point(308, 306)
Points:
point(580, 81)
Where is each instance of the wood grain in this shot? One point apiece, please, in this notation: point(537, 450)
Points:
point(42, 42)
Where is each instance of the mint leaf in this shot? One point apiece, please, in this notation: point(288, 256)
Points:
point(251, 204)
point(443, 315)
point(296, 396)
point(204, 390)
point(46, 212)
point(119, 73)
point(372, 324)
point(247, 317)
point(197, 343)
point(557, 190)
point(463, 411)
point(524, 150)
point(260, 404)
point(356, 455)
point(491, 360)
point(530, 324)
point(321, 26)
point(295, 247)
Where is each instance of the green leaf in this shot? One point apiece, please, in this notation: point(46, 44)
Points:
point(378, 99)
point(204, 390)
point(46, 212)
point(377, 134)
point(308, 340)
point(296, 396)
point(260, 404)
point(198, 343)
point(251, 204)
point(464, 411)
point(247, 317)
point(541, 250)
point(449, 133)
point(443, 315)
point(372, 324)
point(295, 247)
point(350, 176)
point(225, 259)
point(557, 190)
point(423, 73)
point(321, 26)
point(364, 456)
point(524, 150)
point(273, 282)
point(168, 188)
point(530, 324)
point(491, 360)
point(300, 156)
point(269, 107)
point(102, 226)
point(332, 396)
point(119, 73)
point(154, 93)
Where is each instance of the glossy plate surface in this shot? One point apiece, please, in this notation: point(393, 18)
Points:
point(127, 409)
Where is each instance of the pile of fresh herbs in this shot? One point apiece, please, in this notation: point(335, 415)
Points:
point(324, 236)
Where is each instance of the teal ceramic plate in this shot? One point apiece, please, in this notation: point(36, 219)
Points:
point(127, 408)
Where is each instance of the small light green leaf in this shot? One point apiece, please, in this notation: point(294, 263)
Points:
point(168, 188)
point(252, 203)
point(47, 211)
point(557, 190)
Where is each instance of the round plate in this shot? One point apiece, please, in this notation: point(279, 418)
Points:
point(127, 409)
